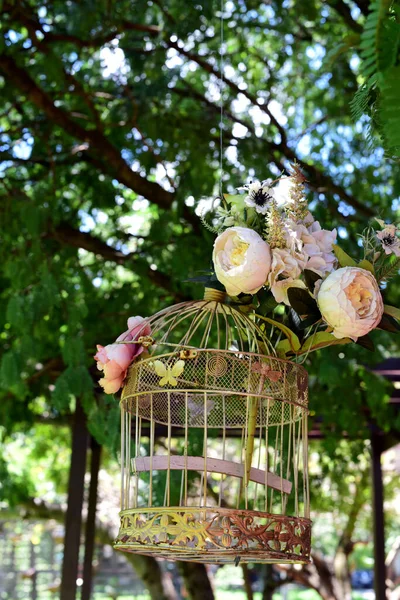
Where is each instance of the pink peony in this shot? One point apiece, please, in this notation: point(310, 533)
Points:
point(350, 302)
point(115, 359)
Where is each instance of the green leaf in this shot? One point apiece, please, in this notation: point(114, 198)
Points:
point(61, 395)
point(73, 351)
point(234, 198)
point(78, 380)
point(343, 258)
point(292, 337)
point(392, 311)
point(311, 278)
point(368, 266)
point(349, 41)
point(284, 348)
point(267, 302)
point(15, 312)
point(389, 109)
point(9, 371)
point(388, 323)
point(389, 268)
point(323, 339)
point(366, 342)
point(302, 302)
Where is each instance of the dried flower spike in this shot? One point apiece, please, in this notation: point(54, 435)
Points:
point(297, 209)
point(275, 228)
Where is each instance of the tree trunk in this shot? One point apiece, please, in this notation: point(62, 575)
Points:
point(197, 581)
point(342, 573)
point(247, 582)
point(158, 582)
point(318, 575)
point(331, 579)
point(269, 585)
point(328, 586)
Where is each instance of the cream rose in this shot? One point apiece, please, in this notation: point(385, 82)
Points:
point(284, 274)
point(350, 302)
point(242, 260)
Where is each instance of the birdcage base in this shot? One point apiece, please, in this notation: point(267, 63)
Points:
point(215, 535)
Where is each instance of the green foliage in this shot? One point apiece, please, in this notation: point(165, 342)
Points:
point(379, 94)
point(86, 240)
point(343, 258)
point(389, 109)
point(104, 423)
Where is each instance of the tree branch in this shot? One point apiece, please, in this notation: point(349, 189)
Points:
point(363, 5)
point(317, 180)
point(344, 11)
point(65, 234)
point(231, 84)
point(54, 36)
point(100, 40)
point(97, 141)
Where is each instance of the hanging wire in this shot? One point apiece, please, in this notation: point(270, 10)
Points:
point(221, 83)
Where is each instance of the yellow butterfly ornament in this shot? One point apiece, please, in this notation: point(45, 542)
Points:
point(168, 373)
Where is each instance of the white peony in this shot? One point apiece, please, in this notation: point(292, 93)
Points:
point(242, 260)
point(350, 302)
point(284, 273)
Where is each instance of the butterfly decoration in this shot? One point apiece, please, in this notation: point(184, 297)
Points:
point(168, 373)
point(265, 370)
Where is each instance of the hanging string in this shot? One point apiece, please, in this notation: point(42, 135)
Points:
point(221, 82)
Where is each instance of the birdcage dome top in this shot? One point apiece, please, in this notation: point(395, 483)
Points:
point(204, 359)
point(207, 323)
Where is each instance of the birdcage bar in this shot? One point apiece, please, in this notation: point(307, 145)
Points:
point(152, 432)
point(221, 486)
point(123, 441)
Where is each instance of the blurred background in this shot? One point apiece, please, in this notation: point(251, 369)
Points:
point(109, 154)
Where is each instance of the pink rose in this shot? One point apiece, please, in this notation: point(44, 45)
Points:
point(115, 359)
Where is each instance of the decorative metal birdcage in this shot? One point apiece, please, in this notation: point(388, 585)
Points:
point(213, 442)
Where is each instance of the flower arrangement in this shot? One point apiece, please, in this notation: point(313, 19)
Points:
point(269, 246)
point(277, 263)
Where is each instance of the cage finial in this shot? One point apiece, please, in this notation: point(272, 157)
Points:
point(213, 294)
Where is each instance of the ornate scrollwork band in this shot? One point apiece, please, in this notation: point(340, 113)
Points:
point(215, 535)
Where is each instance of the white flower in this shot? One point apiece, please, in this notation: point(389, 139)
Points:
point(388, 238)
point(312, 246)
point(350, 302)
point(284, 274)
point(242, 260)
point(259, 195)
point(283, 189)
point(308, 219)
